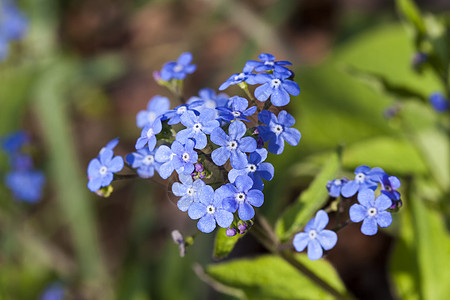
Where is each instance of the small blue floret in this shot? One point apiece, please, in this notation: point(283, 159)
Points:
point(278, 130)
point(316, 237)
point(371, 211)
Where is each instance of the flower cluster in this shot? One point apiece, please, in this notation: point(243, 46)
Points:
point(371, 210)
point(214, 143)
point(13, 25)
point(25, 182)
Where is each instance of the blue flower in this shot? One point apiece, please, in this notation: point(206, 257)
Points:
point(144, 161)
point(246, 75)
point(371, 211)
point(233, 145)
point(175, 114)
point(53, 291)
point(236, 109)
point(13, 142)
point(26, 185)
point(255, 169)
point(241, 196)
point(188, 191)
point(277, 130)
point(334, 187)
point(156, 107)
point(100, 170)
point(13, 25)
point(389, 185)
point(179, 69)
point(267, 63)
point(277, 87)
point(197, 127)
point(210, 211)
point(148, 135)
point(179, 157)
point(315, 237)
point(365, 178)
point(439, 103)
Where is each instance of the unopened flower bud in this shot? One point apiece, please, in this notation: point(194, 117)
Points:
point(231, 232)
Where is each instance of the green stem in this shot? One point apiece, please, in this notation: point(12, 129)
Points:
point(267, 104)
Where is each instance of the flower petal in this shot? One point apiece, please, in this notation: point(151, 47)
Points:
point(236, 130)
point(219, 137)
point(224, 218)
point(220, 156)
point(196, 210)
point(349, 189)
point(366, 197)
point(255, 197)
point(369, 226)
point(320, 220)
point(300, 241)
point(243, 183)
point(314, 250)
point(263, 92)
point(357, 213)
point(327, 239)
point(246, 211)
point(384, 219)
point(382, 202)
point(206, 224)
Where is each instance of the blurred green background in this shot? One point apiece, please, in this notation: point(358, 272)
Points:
point(85, 69)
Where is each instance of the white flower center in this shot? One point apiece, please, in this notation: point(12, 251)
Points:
point(275, 83)
point(186, 156)
point(103, 170)
point(190, 191)
point(210, 209)
point(360, 177)
point(268, 63)
point(236, 113)
point(181, 110)
point(251, 168)
point(178, 68)
point(197, 127)
point(312, 234)
point(372, 211)
point(232, 145)
point(151, 116)
point(148, 160)
point(277, 129)
point(240, 197)
point(150, 133)
point(337, 182)
point(239, 77)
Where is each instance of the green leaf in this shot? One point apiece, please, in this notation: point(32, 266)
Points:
point(312, 199)
point(384, 85)
point(411, 14)
point(271, 277)
point(435, 148)
point(393, 154)
point(224, 244)
point(432, 246)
